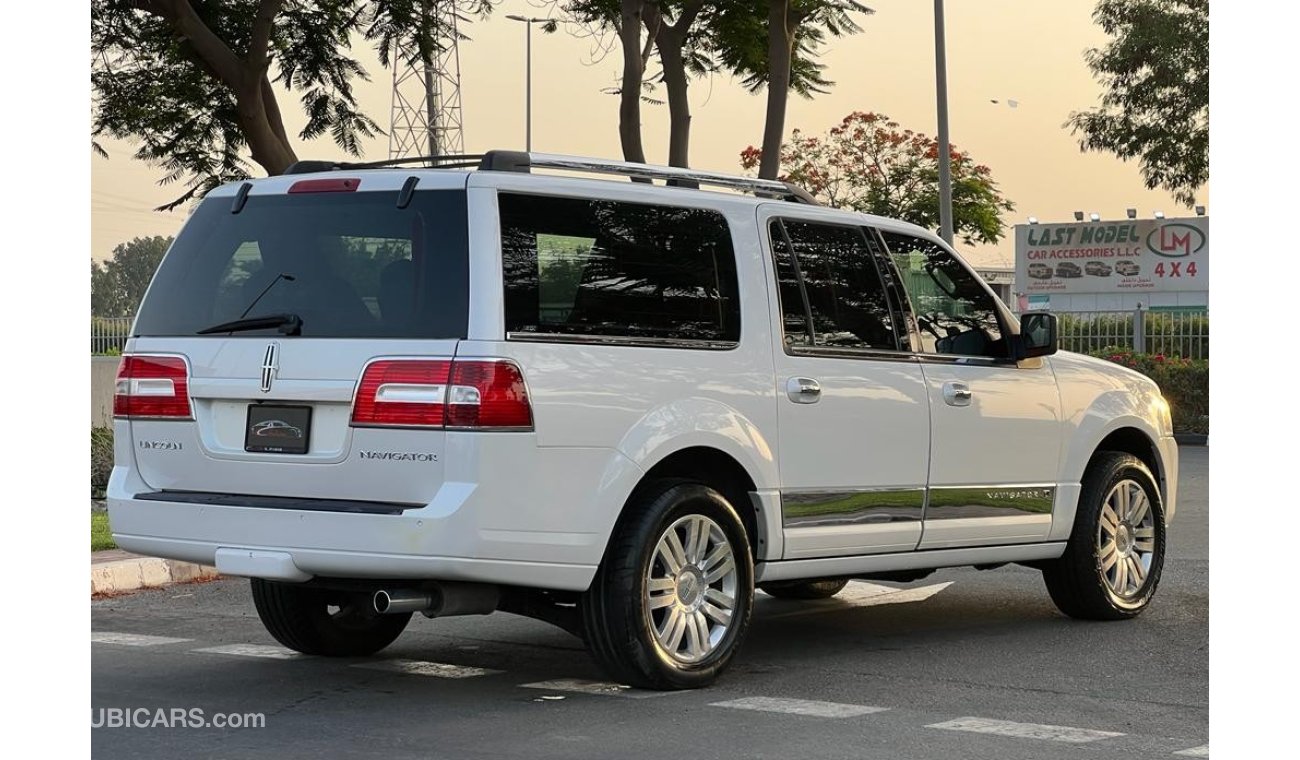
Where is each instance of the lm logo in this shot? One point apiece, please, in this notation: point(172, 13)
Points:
point(1175, 241)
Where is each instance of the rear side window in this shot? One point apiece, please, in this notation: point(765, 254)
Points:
point(588, 267)
point(830, 288)
point(353, 264)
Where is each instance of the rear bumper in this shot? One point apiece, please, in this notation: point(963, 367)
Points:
point(497, 530)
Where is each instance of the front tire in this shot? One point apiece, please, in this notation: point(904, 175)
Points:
point(670, 604)
point(1116, 552)
point(822, 589)
point(322, 621)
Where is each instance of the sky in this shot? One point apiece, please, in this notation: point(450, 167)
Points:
point(1029, 51)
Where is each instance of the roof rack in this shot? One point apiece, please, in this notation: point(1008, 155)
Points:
point(518, 161)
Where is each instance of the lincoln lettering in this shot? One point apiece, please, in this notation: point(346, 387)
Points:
point(399, 456)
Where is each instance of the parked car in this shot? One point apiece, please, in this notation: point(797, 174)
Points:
point(1127, 268)
point(623, 408)
point(1040, 271)
point(1068, 269)
point(1098, 268)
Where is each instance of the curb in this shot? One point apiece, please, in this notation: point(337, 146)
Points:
point(1191, 439)
point(144, 572)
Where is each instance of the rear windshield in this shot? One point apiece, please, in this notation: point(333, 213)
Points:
point(350, 265)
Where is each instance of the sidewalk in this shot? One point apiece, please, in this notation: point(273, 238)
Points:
point(115, 571)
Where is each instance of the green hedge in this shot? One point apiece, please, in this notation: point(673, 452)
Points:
point(1185, 384)
point(101, 460)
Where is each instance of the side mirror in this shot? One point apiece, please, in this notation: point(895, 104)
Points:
point(1037, 334)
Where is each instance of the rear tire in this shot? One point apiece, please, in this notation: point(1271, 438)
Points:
point(670, 603)
point(1116, 552)
point(822, 589)
point(324, 622)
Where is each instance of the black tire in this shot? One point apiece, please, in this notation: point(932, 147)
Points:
point(1077, 581)
point(822, 589)
point(618, 626)
point(300, 618)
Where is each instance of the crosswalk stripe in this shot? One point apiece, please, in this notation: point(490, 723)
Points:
point(1025, 730)
point(603, 688)
point(425, 668)
point(252, 650)
point(1201, 751)
point(132, 639)
point(800, 707)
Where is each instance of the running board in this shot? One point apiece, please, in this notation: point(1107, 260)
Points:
point(840, 567)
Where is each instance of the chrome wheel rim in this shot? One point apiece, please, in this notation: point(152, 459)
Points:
point(1126, 539)
point(691, 587)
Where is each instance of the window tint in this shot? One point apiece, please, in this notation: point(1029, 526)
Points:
point(594, 267)
point(356, 266)
point(956, 313)
point(845, 298)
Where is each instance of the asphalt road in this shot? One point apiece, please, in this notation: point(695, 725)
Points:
point(984, 667)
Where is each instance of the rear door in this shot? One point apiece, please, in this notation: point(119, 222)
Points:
point(853, 415)
point(271, 408)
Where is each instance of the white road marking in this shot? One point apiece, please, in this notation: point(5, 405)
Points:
point(425, 668)
point(1201, 751)
point(252, 650)
point(1025, 730)
point(800, 707)
point(861, 594)
point(604, 688)
point(132, 639)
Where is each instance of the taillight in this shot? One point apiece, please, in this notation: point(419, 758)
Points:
point(152, 387)
point(488, 394)
point(473, 394)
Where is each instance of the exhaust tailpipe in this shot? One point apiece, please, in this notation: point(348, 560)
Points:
point(440, 600)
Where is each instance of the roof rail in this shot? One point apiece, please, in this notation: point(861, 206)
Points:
point(501, 160)
point(518, 161)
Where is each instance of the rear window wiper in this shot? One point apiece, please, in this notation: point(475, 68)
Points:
point(288, 324)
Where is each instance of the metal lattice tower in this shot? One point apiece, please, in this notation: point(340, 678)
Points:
point(426, 115)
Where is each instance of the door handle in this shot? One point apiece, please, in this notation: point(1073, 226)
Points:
point(956, 393)
point(803, 390)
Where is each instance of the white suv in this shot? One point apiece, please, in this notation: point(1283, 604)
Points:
point(616, 406)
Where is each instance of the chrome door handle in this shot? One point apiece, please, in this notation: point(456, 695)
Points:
point(956, 394)
point(803, 390)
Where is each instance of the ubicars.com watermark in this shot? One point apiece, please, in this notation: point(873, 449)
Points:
point(171, 717)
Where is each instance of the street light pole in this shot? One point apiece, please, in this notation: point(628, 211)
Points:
point(528, 67)
point(945, 147)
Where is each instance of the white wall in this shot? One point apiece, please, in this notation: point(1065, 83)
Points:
point(103, 375)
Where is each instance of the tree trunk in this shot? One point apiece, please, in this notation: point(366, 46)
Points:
point(670, 39)
point(629, 106)
point(269, 149)
point(780, 49)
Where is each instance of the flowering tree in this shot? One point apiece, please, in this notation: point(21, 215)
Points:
point(868, 163)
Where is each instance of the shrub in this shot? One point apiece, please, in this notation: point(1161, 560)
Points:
point(101, 460)
point(1185, 384)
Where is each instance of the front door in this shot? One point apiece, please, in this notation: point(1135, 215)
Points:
point(853, 412)
point(995, 425)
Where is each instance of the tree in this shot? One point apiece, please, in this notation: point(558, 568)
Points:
point(1156, 104)
point(194, 81)
point(868, 163)
point(774, 46)
point(117, 286)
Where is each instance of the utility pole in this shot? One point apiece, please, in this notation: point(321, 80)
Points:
point(945, 146)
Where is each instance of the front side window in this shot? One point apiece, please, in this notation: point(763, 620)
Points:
point(955, 313)
point(589, 267)
point(830, 289)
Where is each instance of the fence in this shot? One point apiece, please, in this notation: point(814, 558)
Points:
point(1172, 333)
point(108, 334)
